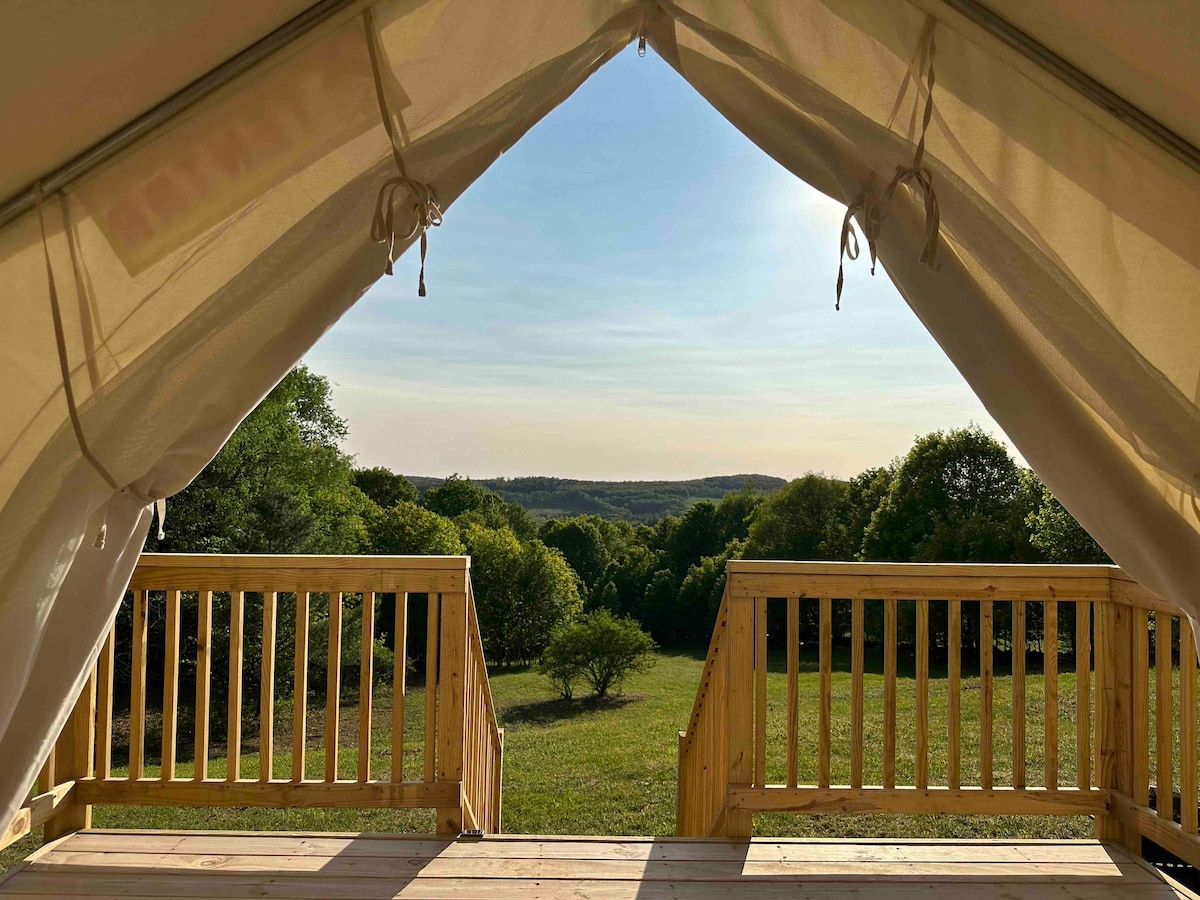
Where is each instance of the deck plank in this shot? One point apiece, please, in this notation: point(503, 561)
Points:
point(180, 865)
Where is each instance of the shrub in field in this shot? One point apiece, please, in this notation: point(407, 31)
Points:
point(601, 649)
point(559, 663)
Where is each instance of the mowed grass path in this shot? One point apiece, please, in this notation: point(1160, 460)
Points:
point(609, 767)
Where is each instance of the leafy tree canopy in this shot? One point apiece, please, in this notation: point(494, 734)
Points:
point(523, 592)
point(385, 487)
point(956, 496)
point(406, 528)
point(1055, 532)
point(803, 520)
point(280, 485)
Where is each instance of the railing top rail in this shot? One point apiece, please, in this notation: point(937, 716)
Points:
point(924, 570)
point(940, 581)
point(298, 561)
point(252, 572)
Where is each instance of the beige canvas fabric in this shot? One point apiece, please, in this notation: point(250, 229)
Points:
point(193, 270)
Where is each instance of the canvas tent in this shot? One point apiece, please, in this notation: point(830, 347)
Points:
point(176, 253)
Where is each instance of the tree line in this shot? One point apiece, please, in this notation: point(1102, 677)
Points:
point(282, 484)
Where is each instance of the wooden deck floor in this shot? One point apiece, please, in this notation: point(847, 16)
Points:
point(100, 864)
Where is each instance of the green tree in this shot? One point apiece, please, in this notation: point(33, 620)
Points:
point(1057, 534)
point(736, 511)
point(696, 534)
point(803, 520)
point(864, 492)
point(700, 594)
point(561, 663)
point(956, 496)
point(281, 484)
point(406, 528)
point(601, 649)
point(524, 591)
point(458, 495)
point(581, 541)
point(469, 504)
point(659, 607)
point(385, 487)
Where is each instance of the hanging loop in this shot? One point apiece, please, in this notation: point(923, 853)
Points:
point(417, 199)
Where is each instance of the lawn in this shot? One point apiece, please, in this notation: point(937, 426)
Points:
point(608, 767)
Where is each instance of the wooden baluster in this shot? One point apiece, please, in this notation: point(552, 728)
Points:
point(452, 657)
point(366, 676)
point(266, 714)
point(760, 692)
point(493, 785)
point(1141, 706)
point(1050, 678)
point(1130, 675)
point(399, 667)
point(104, 706)
point(137, 688)
point(1187, 728)
point(739, 707)
point(170, 686)
point(856, 692)
point(685, 799)
point(825, 688)
point(333, 686)
point(889, 692)
point(431, 669)
point(1083, 698)
point(922, 760)
point(1019, 631)
point(233, 738)
point(986, 693)
point(793, 690)
point(300, 689)
point(954, 695)
point(203, 684)
point(1164, 696)
point(711, 771)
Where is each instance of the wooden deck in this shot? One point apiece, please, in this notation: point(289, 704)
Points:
point(105, 864)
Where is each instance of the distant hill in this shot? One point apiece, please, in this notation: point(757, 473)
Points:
point(637, 501)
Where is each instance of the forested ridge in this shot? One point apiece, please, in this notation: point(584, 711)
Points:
point(545, 497)
point(282, 484)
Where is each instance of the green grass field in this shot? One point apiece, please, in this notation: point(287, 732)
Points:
point(588, 767)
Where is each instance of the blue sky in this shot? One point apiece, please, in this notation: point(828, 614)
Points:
point(636, 291)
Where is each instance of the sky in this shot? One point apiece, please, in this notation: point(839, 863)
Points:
point(635, 291)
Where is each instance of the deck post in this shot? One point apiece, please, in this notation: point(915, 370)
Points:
point(452, 668)
point(1115, 720)
point(739, 708)
point(73, 755)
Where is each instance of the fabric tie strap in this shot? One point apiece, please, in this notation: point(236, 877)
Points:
point(916, 175)
point(64, 366)
point(418, 199)
point(849, 244)
point(425, 213)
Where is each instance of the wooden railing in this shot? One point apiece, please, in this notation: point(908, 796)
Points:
point(736, 736)
point(462, 745)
